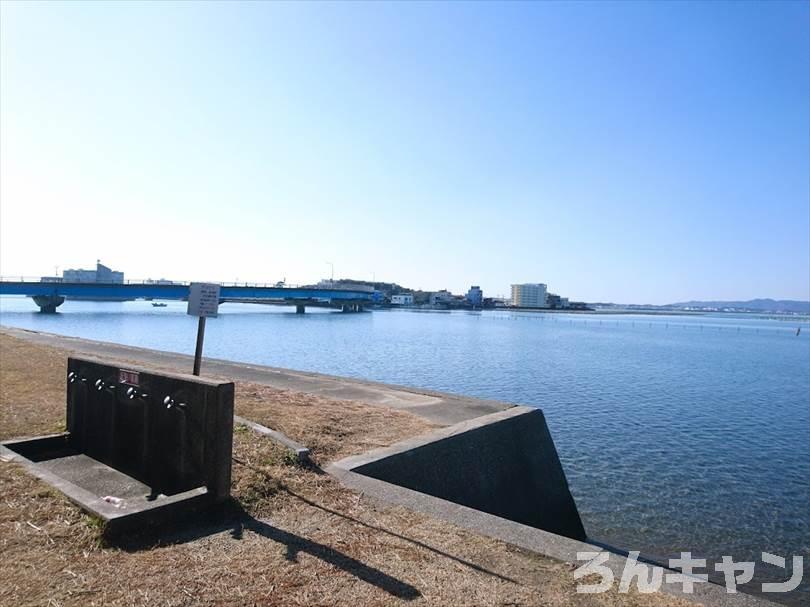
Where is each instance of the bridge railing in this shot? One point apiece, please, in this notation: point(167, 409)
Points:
point(140, 282)
point(336, 286)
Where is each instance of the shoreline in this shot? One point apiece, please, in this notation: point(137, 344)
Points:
point(436, 407)
point(615, 311)
point(442, 410)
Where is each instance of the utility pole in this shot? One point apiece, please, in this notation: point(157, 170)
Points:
point(332, 279)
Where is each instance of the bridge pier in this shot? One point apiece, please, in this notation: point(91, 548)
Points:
point(300, 308)
point(48, 303)
point(351, 308)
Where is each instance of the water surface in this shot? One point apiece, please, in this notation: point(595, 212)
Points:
point(676, 432)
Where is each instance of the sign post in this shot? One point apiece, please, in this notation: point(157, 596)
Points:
point(199, 347)
point(203, 301)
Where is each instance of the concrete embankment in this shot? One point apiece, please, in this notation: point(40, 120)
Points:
point(492, 457)
point(491, 469)
point(504, 464)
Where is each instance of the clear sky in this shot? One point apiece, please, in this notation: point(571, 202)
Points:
point(629, 152)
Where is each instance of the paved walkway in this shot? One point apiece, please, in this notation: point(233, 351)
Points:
point(436, 407)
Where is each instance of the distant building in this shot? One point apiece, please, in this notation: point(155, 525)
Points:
point(556, 302)
point(79, 276)
point(441, 298)
point(405, 299)
point(475, 296)
point(101, 274)
point(530, 295)
point(345, 285)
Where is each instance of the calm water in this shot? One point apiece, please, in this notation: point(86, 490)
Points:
point(676, 433)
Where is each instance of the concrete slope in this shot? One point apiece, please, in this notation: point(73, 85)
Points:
point(503, 464)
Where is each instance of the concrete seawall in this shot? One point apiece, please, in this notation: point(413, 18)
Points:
point(491, 469)
point(490, 456)
point(503, 464)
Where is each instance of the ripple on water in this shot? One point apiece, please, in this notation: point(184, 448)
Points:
point(676, 433)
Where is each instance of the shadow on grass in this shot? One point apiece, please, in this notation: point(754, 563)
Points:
point(403, 537)
point(296, 544)
point(233, 518)
point(314, 468)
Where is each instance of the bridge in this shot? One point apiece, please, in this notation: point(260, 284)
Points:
point(49, 295)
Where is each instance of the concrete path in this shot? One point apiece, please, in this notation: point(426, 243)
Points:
point(436, 407)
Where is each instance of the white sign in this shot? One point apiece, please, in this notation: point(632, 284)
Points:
point(203, 299)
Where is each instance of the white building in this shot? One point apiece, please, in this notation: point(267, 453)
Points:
point(530, 295)
point(405, 299)
point(442, 297)
point(101, 274)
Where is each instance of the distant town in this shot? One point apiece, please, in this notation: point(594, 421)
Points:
point(524, 296)
point(529, 296)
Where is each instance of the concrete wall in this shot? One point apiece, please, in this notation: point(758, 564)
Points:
point(503, 464)
point(171, 432)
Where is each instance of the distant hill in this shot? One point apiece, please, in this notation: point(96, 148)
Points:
point(791, 306)
point(389, 288)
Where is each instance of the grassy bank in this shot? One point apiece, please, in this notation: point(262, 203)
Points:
point(292, 535)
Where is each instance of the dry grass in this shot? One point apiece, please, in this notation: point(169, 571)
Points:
point(32, 403)
point(32, 384)
point(293, 536)
point(331, 429)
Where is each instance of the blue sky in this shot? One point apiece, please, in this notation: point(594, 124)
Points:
point(629, 152)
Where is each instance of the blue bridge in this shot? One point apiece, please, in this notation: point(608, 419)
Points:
point(49, 295)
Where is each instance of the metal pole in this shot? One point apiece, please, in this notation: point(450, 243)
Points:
point(198, 350)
